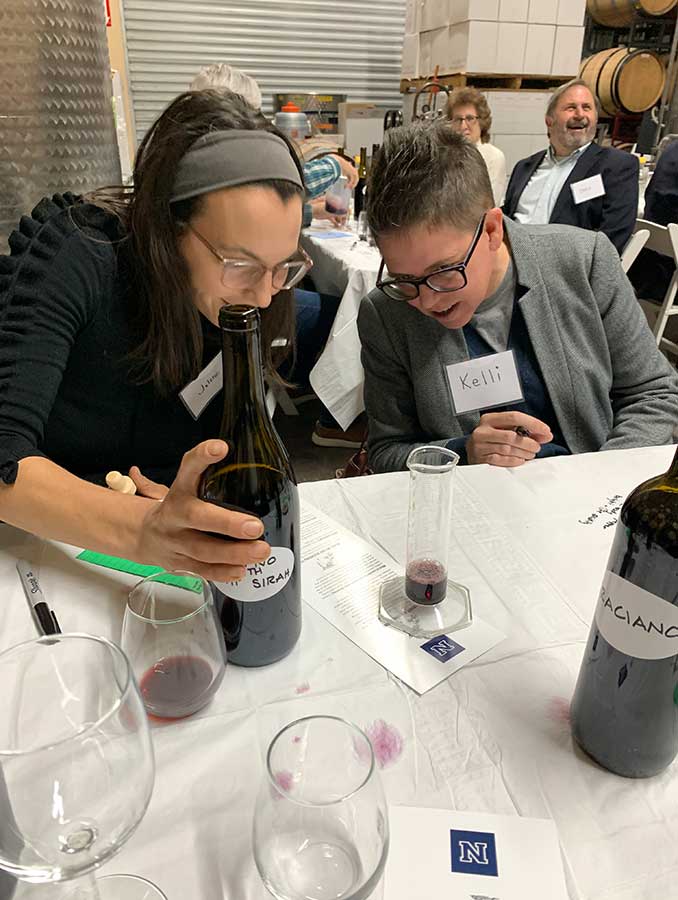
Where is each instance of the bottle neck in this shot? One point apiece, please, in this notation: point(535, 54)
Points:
point(244, 390)
point(362, 165)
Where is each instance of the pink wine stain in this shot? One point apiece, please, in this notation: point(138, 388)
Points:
point(558, 711)
point(284, 780)
point(387, 742)
point(303, 688)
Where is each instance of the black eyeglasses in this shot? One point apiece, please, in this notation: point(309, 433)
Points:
point(443, 280)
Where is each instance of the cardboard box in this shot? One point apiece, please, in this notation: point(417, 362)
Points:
point(434, 51)
point(362, 125)
point(473, 47)
point(567, 50)
point(513, 10)
point(571, 12)
point(518, 112)
point(539, 49)
point(410, 60)
point(511, 41)
point(434, 14)
point(470, 10)
point(518, 146)
point(413, 10)
point(543, 12)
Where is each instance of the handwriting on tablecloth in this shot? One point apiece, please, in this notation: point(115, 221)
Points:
point(606, 514)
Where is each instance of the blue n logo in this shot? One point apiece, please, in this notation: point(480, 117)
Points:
point(474, 852)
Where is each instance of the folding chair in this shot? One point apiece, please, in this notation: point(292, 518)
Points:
point(635, 244)
point(662, 239)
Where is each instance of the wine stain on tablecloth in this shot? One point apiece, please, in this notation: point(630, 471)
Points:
point(387, 742)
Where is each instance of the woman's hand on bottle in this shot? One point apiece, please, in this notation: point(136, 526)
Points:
point(495, 441)
point(179, 532)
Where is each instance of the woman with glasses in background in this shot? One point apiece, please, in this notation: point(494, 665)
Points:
point(470, 116)
point(109, 307)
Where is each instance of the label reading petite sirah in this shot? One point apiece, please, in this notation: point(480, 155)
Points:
point(262, 580)
point(636, 622)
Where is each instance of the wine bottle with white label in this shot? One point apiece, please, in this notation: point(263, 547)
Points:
point(261, 614)
point(625, 706)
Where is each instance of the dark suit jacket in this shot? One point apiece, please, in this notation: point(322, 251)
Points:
point(614, 214)
point(651, 273)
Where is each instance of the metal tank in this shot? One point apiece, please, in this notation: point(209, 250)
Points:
point(56, 116)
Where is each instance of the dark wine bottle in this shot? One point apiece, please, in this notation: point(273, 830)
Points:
point(360, 188)
point(625, 706)
point(260, 615)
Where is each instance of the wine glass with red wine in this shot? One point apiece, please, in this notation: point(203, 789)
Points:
point(173, 638)
point(76, 766)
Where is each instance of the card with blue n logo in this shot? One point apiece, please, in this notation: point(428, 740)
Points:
point(474, 852)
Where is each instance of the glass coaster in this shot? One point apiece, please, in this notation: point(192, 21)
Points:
point(424, 621)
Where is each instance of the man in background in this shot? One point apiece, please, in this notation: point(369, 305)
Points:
point(576, 181)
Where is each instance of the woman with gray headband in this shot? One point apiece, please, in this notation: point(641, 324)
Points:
point(109, 308)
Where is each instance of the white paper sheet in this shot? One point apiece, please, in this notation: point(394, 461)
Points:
point(341, 576)
point(443, 853)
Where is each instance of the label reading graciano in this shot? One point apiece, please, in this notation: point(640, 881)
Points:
point(636, 622)
point(262, 580)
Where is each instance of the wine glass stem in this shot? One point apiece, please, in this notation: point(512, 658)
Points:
point(84, 888)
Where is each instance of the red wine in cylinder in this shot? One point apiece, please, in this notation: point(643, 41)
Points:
point(425, 581)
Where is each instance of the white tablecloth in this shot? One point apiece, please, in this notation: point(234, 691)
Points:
point(346, 268)
point(492, 738)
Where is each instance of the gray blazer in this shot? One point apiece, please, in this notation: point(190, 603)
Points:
point(609, 384)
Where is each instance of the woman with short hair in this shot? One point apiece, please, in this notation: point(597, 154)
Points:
point(469, 113)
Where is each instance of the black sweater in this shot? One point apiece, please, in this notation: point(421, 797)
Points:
point(66, 310)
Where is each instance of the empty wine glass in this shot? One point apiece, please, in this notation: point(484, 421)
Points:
point(76, 763)
point(320, 825)
point(173, 638)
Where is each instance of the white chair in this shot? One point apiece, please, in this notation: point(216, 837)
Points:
point(635, 244)
point(662, 239)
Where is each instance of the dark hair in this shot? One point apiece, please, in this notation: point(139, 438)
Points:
point(472, 97)
point(426, 174)
point(171, 347)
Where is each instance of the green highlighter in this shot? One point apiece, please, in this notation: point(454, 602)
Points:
point(133, 568)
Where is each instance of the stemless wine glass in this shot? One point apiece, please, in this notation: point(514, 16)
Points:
point(76, 763)
point(175, 643)
point(320, 825)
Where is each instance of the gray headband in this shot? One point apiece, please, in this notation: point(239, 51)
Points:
point(228, 158)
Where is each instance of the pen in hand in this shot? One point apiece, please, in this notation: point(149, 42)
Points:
point(45, 619)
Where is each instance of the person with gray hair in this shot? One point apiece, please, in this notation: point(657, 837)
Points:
point(222, 77)
point(501, 341)
point(576, 181)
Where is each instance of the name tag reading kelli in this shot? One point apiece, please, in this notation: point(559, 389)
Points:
point(588, 189)
point(198, 393)
point(484, 382)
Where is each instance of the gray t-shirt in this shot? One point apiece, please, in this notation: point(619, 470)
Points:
point(492, 319)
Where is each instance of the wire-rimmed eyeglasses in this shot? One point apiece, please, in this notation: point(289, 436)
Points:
point(243, 274)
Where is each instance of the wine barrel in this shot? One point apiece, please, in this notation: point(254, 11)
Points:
point(616, 13)
point(624, 80)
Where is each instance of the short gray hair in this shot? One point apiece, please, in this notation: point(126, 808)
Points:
point(563, 89)
point(222, 77)
point(427, 174)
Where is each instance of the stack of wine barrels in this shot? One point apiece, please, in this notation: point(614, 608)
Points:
point(619, 13)
point(625, 80)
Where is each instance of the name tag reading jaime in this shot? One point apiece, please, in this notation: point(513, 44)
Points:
point(198, 393)
point(588, 189)
point(484, 382)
